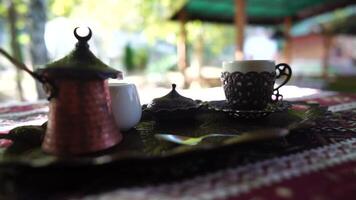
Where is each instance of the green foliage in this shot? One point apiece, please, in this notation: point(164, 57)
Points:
point(2, 10)
point(164, 64)
point(128, 58)
point(135, 59)
point(150, 17)
point(21, 9)
point(147, 16)
point(141, 59)
point(63, 8)
point(216, 36)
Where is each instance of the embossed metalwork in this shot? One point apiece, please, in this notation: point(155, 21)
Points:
point(173, 107)
point(80, 119)
point(282, 70)
point(223, 106)
point(248, 91)
point(254, 90)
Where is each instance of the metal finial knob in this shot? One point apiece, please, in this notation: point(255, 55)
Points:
point(82, 40)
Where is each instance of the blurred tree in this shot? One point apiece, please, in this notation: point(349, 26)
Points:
point(151, 18)
point(13, 18)
point(18, 16)
point(128, 58)
point(36, 27)
point(155, 19)
point(158, 26)
point(135, 59)
point(63, 8)
point(146, 16)
point(141, 59)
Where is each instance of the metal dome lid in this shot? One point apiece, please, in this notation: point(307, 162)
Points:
point(172, 101)
point(81, 63)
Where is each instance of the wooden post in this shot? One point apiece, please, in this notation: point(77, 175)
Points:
point(288, 40)
point(240, 21)
point(327, 40)
point(182, 46)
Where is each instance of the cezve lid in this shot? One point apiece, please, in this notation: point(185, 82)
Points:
point(81, 63)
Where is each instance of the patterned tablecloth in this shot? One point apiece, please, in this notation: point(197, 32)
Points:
point(324, 172)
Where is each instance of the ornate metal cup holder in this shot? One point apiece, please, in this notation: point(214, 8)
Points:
point(224, 107)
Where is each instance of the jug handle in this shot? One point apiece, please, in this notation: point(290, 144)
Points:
point(48, 84)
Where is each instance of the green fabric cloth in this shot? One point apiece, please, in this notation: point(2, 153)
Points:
point(341, 21)
point(258, 11)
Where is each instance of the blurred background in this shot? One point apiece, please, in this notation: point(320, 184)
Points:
point(159, 42)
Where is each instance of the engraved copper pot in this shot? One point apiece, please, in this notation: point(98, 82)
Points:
point(80, 119)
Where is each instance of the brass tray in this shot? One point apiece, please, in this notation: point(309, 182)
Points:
point(142, 159)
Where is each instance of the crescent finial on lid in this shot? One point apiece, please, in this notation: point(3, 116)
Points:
point(82, 41)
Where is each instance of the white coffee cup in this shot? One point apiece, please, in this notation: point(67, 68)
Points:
point(125, 104)
point(245, 66)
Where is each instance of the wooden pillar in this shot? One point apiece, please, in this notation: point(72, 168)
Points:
point(182, 46)
point(240, 21)
point(327, 40)
point(288, 40)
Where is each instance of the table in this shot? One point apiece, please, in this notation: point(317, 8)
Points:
point(327, 171)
